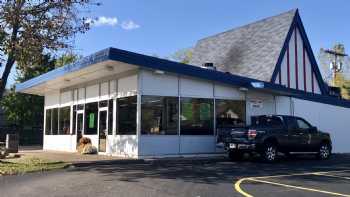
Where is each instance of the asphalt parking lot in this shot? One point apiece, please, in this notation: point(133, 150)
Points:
point(317, 183)
point(188, 177)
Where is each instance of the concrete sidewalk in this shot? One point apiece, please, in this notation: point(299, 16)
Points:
point(74, 158)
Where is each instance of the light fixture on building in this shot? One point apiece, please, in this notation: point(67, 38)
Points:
point(159, 72)
point(258, 85)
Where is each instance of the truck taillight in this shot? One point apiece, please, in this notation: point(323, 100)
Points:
point(251, 134)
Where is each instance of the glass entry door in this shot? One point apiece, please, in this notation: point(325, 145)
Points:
point(102, 130)
point(79, 125)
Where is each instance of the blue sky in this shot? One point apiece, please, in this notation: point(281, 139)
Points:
point(166, 26)
point(161, 27)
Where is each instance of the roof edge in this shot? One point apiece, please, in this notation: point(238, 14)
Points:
point(94, 58)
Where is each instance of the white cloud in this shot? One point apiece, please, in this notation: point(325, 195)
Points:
point(129, 25)
point(103, 21)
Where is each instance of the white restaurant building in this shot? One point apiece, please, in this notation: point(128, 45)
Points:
point(135, 105)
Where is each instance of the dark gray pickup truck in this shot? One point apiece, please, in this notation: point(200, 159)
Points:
point(270, 134)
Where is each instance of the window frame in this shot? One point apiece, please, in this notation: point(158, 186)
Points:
point(118, 101)
point(211, 130)
point(53, 131)
point(244, 115)
point(48, 129)
point(86, 119)
point(60, 129)
point(164, 113)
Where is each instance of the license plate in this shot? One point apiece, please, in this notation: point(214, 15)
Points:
point(232, 145)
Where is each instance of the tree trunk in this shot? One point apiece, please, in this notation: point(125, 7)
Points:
point(17, 5)
point(5, 74)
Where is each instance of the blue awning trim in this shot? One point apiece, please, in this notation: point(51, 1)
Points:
point(58, 72)
point(178, 68)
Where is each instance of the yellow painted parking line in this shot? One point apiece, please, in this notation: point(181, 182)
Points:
point(299, 174)
point(238, 188)
point(301, 188)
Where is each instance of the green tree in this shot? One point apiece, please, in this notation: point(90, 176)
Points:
point(24, 109)
point(29, 28)
point(344, 85)
point(182, 55)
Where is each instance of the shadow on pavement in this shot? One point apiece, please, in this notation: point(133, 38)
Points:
point(209, 171)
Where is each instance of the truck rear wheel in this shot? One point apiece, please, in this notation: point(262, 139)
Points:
point(235, 155)
point(269, 153)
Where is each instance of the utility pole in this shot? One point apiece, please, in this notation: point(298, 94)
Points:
point(337, 65)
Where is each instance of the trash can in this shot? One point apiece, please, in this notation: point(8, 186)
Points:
point(12, 142)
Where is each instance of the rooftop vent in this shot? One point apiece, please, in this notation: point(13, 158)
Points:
point(209, 65)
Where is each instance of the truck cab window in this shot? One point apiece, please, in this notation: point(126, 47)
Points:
point(266, 121)
point(303, 124)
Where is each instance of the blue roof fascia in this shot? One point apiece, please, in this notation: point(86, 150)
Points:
point(212, 75)
point(326, 99)
point(178, 68)
point(297, 22)
point(97, 57)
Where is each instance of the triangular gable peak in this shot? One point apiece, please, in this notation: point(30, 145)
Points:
point(296, 66)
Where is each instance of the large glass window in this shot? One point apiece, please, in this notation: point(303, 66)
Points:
point(64, 125)
point(126, 115)
point(230, 113)
point(54, 122)
point(159, 115)
point(197, 116)
point(91, 115)
point(48, 122)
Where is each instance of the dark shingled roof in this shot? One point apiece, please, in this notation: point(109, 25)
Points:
point(251, 50)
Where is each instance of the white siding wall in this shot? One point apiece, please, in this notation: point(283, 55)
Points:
point(104, 90)
point(59, 142)
point(66, 98)
point(228, 92)
point(328, 118)
point(283, 105)
point(292, 62)
point(52, 99)
point(190, 87)
point(300, 48)
point(92, 93)
point(158, 84)
point(127, 86)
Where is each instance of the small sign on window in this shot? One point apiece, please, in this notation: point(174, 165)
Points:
point(91, 120)
point(256, 103)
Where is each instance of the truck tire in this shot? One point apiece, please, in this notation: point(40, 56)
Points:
point(235, 155)
point(324, 151)
point(269, 153)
